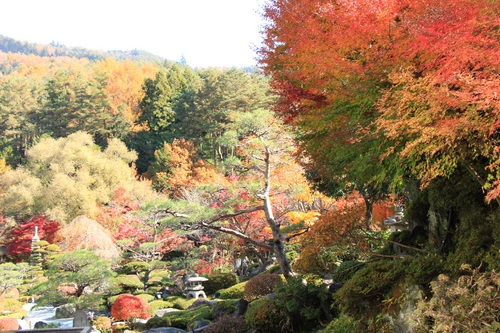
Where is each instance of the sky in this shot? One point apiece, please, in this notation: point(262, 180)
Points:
point(219, 33)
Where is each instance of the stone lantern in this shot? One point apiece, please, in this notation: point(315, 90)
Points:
point(395, 222)
point(194, 287)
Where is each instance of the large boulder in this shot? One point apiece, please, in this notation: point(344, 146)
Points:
point(65, 311)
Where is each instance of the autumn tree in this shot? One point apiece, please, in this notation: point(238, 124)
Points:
point(128, 307)
point(264, 151)
point(66, 177)
point(390, 89)
point(124, 82)
point(177, 166)
point(19, 239)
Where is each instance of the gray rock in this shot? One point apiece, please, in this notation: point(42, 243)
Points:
point(401, 320)
point(65, 311)
point(161, 312)
point(165, 330)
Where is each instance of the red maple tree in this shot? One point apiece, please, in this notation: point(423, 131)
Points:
point(19, 239)
point(129, 306)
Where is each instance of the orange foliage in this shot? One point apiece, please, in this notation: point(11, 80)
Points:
point(124, 85)
point(129, 306)
point(115, 212)
point(339, 228)
point(185, 170)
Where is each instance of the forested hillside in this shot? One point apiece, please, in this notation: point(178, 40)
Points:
point(54, 49)
point(355, 177)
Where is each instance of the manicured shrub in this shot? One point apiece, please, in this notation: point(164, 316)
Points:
point(9, 324)
point(130, 283)
point(228, 324)
point(147, 297)
point(218, 281)
point(157, 305)
point(261, 285)
point(129, 306)
point(233, 292)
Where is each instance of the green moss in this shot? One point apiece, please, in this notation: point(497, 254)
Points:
point(158, 305)
point(179, 302)
point(235, 291)
point(185, 319)
point(218, 281)
point(364, 294)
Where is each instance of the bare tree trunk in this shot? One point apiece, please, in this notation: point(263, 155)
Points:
point(278, 245)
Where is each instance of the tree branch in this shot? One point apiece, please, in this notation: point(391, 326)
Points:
point(236, 233)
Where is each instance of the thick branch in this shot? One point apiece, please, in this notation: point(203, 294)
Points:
point(287, 238)
point(236, 213)
point(236, 233)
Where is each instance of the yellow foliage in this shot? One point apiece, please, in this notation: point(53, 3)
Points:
point(3, 166)
point(124, 85)
point(308, 218)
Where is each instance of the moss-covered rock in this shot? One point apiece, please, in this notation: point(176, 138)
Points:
point(186, 319)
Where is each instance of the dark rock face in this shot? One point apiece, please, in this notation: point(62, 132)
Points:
point(241, 306)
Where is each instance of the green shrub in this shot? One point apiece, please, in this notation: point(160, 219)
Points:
point(218, 281)
point(111, 300)
point(233, 292)
point(264, 315)
point(261, 285)
point(364, 294)
point(343, 324)
point(158, 305)
point(130, 283)
point(304, 301)
point(346, 270)
point(147, 297)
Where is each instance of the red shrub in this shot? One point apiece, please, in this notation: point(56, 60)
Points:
point(129, 306)
point(9, 324)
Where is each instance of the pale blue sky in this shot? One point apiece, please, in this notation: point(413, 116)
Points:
point(207, 32)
